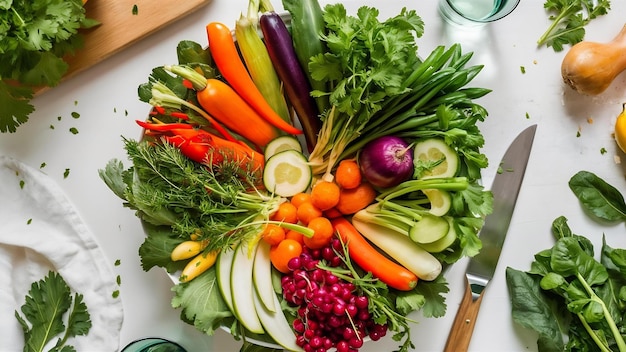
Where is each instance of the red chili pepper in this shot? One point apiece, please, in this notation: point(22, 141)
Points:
point(202, 146)
point(180, 115)
point(163, 126)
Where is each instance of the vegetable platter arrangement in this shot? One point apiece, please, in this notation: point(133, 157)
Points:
point(308, 175)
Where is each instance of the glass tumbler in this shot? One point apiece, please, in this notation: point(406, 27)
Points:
point(475, 12)
point(153, 344)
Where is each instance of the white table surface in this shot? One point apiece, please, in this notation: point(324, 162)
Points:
point(105, 96)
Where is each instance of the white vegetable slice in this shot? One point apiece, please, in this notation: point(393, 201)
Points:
point(280, 144)
point(222, 269)
point(242, 289)
point(440, 201)
point(401, 248)
point(435, 151)
point(262, 276)
point(276, 324)
point(287, 173)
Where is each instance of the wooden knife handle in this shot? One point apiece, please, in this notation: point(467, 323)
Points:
point(464, 322)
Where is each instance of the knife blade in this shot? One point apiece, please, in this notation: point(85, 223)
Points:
point(481, 268)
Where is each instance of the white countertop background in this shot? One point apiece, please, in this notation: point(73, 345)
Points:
point(105, 96)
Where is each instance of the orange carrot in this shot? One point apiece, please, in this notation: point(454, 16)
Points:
point(370, 259)
point(230, 65)
point(226, 106)
point(241, 153)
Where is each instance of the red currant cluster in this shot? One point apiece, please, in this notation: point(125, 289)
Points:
point(331, 313)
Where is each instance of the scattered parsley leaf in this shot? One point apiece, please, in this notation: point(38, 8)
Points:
point(527, 116)
point(569, 17)
point(522, 69)
point(29, 221)
point(42, 165)
point(74, 130)
point(46, 304)
point(59, 118)
point(66, 173)
point(22, 184)
point(118, 262)
point(118, 279)
point(75, 115)
point(115, 294)
point(51, 127)
point(135, 9)
point(603, 151)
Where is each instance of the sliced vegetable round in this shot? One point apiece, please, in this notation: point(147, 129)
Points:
point(281, 144)
point(287, 173)
point(429, 229)
point(434, 158)
point(440, 201)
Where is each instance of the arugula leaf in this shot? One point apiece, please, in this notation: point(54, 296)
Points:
point(47, 302)
point(598, 197)
point(569, 17)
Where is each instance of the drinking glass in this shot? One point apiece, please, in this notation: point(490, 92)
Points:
point(153, 344)
point(475, 12)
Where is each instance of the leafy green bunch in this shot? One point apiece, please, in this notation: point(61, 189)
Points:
point(568, 291)
point(35, 35)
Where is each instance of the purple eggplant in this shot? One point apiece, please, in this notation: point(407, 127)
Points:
point(296, 84)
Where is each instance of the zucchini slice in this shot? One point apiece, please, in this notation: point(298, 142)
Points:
point(434, 158)
point(287, 173)
point(280, 144)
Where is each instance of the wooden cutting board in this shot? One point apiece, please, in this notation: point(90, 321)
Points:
point(120, 27)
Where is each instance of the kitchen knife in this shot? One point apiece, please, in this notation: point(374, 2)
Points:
point(481, 267)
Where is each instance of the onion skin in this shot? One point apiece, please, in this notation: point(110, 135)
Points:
point(386, 161)
point(589, 67)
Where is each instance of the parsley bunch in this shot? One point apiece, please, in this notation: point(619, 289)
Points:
point(35, 35)
point(569, 17)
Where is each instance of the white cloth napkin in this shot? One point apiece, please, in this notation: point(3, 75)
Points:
point(40, 230)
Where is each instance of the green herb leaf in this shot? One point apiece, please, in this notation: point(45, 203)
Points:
point(201, 302)
point(47, 302)
point(598, 197)
point(569, 17)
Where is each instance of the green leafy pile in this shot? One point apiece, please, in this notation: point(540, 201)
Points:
point(44, 311)
point(379, 86)
point(567, 291)
point(573, 301)
point(35, 35)
point(569, 17)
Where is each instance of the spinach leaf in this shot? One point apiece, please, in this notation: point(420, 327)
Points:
point(573, 301)
point(598, 197)
point(536, 310)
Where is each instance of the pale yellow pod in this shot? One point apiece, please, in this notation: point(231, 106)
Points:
point(198, 265)
point(187, 249)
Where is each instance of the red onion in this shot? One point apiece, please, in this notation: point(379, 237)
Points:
point(386, 161)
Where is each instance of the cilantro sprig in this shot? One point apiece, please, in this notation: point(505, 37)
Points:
point(569, 17)
point(44, 315)
point(34, 38)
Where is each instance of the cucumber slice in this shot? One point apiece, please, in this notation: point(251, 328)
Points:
point(242, 289)
point(262, 276)
point(429, 229)
point(223, 267)
point(276, 324)
point(287, 173)
point(440, 201)
point(280, 144)
point(434, 158)
point(441, 244)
